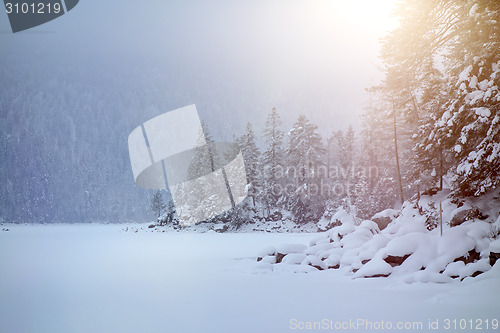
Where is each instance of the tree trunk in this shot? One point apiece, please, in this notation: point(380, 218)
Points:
point(397, 155)
point(418, 199)
point(440, 219)
point(440, 169)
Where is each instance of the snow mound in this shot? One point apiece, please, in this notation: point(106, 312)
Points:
point(315, 262)
point(374, 268)
point(268, 251)
point(293, 258)
point(269, 259)
point(406, 244)
point(391, 213)
point(405, 249)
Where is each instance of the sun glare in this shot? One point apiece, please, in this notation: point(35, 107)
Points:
point(370, 16)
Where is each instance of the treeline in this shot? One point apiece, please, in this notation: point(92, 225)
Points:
point(433, 122)
point(299, 174)
point(308, 175)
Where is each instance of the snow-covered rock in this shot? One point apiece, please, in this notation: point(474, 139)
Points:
point(405, 249)
point(267, 251)
point(383, 218)
point(269, 259)
point(293, 258)
point(315, 262)
point(374, 268)
point(494, 249)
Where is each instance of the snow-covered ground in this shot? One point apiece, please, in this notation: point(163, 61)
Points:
point(99, 278)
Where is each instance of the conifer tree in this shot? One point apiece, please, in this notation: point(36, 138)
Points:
point(273, 160)
point(157, 204)
point(251, 156)
point(306, 158)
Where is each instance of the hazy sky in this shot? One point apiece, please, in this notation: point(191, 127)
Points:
point(312, 57)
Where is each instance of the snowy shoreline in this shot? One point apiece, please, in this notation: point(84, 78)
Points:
point(82, 278)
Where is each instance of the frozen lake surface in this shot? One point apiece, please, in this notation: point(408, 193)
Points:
point(99, 278)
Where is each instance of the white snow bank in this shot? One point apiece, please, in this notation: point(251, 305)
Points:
point(406, 244)
point(101, 279)
point(405, 249)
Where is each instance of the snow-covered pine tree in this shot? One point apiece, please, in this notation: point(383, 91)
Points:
point(348, 148)
point(343, 166)
point(347, 159)
point(416, 88)
point(306, 159)
point(430, 162)
point(426, 32)
point(471, 120)
point(170, 216)
point(213, 153)
point(459, 127)
point(272, 160)
point(251, 156)
point(377, 156)
point(157, 204)
point(306, 151)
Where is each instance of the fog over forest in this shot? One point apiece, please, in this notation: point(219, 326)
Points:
point(74, 88)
